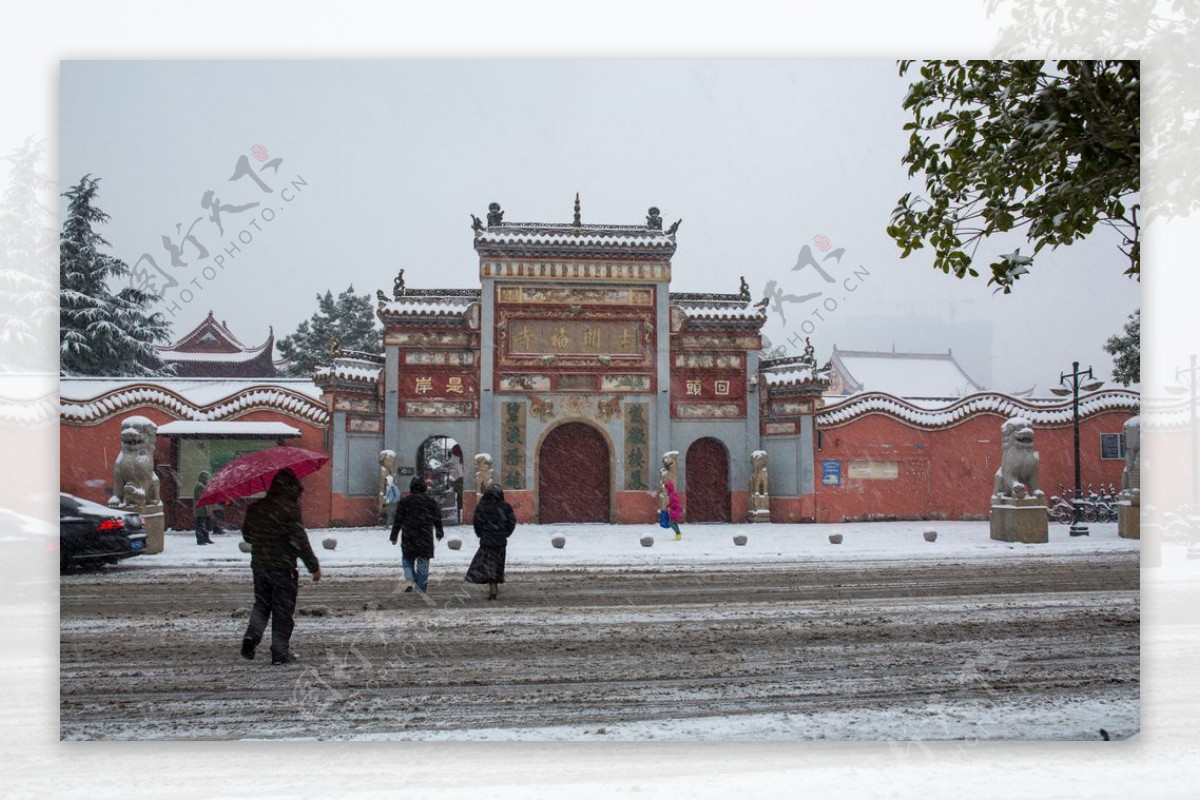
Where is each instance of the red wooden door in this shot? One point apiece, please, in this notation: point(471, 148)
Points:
point(573, 476)
point(707, 482)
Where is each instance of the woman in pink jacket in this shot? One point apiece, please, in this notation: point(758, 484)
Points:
point(674, 508)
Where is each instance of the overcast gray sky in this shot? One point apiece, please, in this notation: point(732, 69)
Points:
point(756, 157)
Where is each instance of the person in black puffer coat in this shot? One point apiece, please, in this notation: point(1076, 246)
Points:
point(494, 523)
point(417, 515)
point(277, 537)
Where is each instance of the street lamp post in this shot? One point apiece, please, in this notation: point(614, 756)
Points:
point(1076, 382)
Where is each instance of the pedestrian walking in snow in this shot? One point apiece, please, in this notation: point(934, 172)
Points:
point(494, 522)
point(275, 531)
point(203, 514)
point(674, 508)
point(417, 515)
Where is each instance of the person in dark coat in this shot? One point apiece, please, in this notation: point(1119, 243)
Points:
point(417, 516)
point(275, 531)
point(494, 522)
point(203, 514)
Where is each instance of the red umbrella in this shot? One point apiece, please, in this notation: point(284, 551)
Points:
point(252, 472)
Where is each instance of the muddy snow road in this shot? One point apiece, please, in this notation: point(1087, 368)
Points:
point(1025, 649)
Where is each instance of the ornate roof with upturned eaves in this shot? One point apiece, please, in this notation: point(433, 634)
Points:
point(424, 306)
point(210, 350)
point(716, 310)
point(573, 239)
point(793, 374)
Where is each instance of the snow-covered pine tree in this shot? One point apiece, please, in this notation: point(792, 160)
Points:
point(27, 308)
point(348, 316)
point(101, 332)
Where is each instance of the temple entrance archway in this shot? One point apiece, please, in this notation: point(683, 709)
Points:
point(574, 485)
point(707, 474)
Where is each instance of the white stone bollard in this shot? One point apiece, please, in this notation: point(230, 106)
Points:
point(558, 541)
point(836, 539)
point(647, 541)
point(329, 543)
point(454, 544)
point(739, 539)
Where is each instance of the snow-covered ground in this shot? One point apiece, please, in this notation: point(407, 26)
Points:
point(830, 664)
point(603, 546)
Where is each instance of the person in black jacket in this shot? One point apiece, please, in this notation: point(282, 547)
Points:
point(494, 522)
point(277, 537)
point(417, 515)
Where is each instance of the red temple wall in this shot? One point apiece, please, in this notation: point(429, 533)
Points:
point(948, 473)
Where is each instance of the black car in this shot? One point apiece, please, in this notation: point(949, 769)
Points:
point(91, 535)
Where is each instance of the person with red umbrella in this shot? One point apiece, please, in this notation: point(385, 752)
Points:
point(275, 531)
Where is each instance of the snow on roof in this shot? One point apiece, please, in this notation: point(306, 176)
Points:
point(351, 370)
point(907, 375)
point(730, 312)
point(927, 415)
point(180, 428)
point(582, 236)
point(433, 307)
point(91, 400)
point(224, 358)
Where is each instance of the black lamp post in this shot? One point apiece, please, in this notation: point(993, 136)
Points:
point(1072, 388)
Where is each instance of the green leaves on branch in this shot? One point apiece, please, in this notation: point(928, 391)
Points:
point(1048, 147)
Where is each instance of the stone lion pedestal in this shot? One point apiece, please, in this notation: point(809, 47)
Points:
point(1129, 518)
point(1020, 520)
point(1018, 506)
point(154, 523)
point(760, 499)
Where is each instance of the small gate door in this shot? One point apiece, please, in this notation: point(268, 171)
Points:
point(707, 482)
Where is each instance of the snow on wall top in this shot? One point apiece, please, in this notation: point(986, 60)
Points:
point(954, 412)
point(226, 428)
point(29, 401)
point(87, 401)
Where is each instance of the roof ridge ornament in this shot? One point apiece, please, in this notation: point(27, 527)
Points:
point(654, 219)
point(578, 219)
point(495, 214)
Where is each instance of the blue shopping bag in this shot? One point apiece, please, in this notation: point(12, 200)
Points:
point(664, 518)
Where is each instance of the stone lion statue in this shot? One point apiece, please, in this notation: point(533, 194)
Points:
point(1131, 476)
point(387, 470)
point(758, 473)
point(483, 472)
point(1020, 463)
point(133, 474)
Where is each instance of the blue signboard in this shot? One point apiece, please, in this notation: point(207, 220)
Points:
point(831, 473)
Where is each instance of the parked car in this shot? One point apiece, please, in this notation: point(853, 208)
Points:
point(91, 535)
